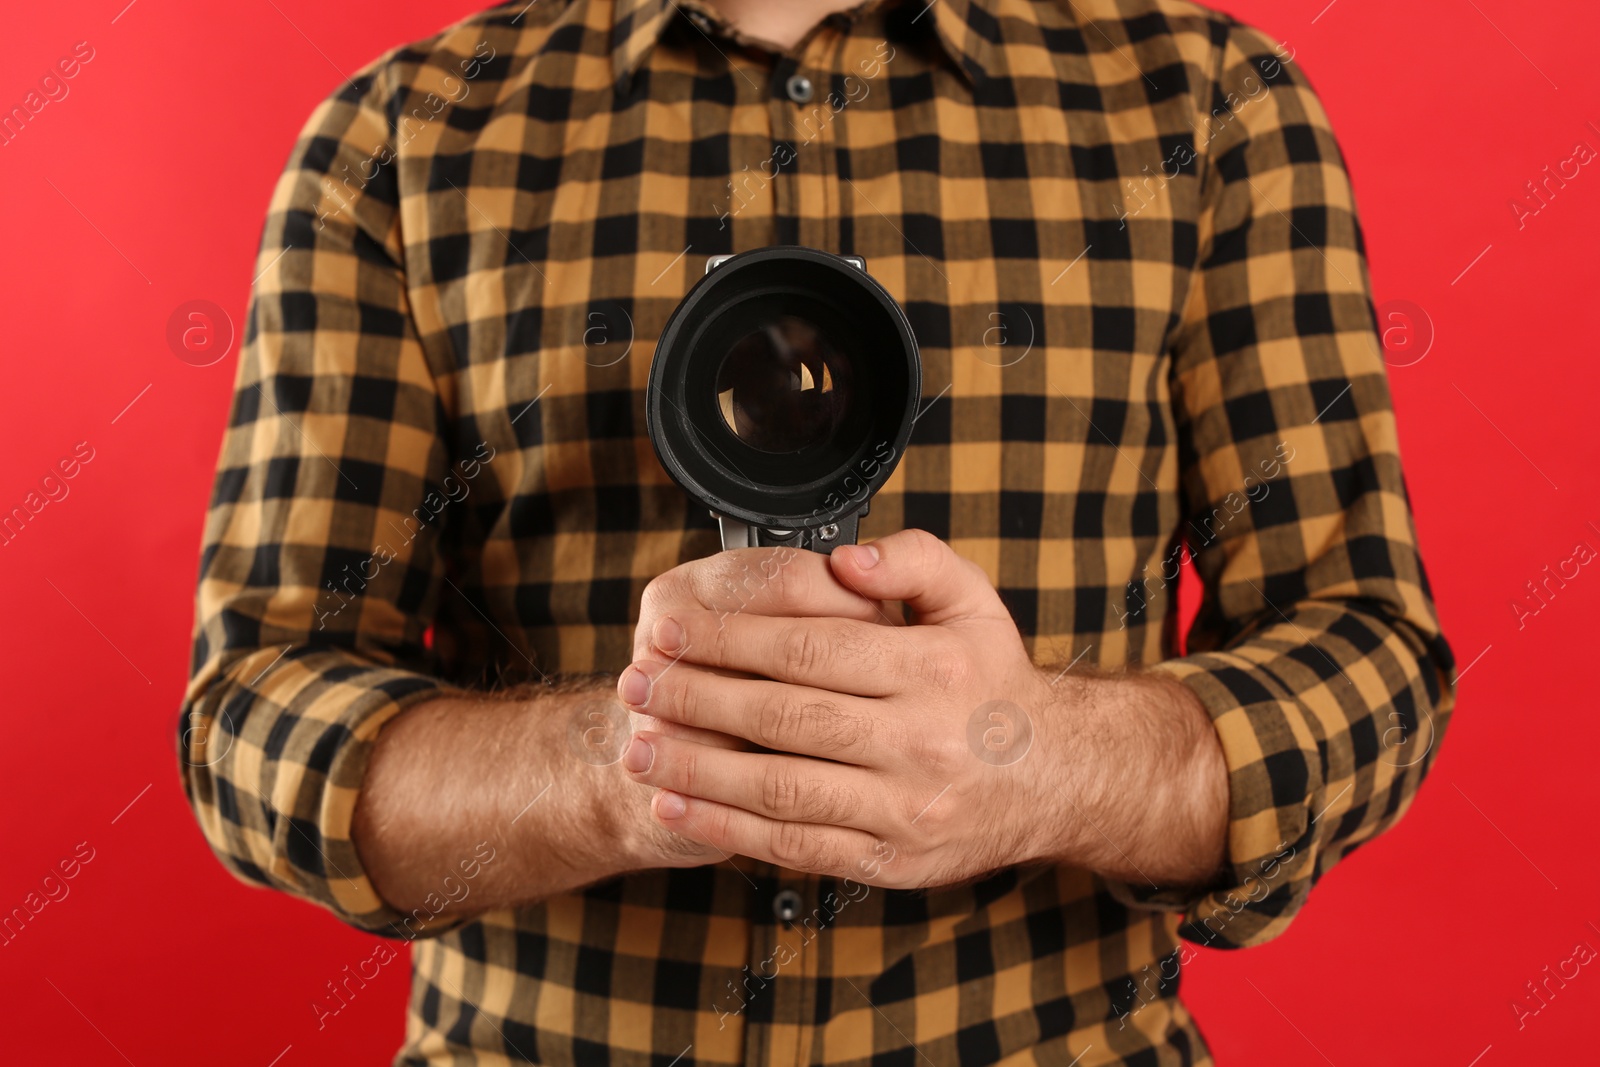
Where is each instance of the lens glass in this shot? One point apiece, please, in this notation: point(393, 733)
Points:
point(784, 387)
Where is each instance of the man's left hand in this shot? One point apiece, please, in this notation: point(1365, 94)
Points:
point(899, 755)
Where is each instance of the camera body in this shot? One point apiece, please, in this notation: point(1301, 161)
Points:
point(782, 395)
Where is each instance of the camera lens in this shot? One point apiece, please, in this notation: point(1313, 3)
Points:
point(783, 387)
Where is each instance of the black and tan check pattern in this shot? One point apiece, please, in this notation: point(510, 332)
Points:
point(1125, 238)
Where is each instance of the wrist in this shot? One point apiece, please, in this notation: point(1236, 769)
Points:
point(1205, 788)
point(571, 805)
point(629, 823)
point(622, 827)
point(1066, 767)
point(1134, 783)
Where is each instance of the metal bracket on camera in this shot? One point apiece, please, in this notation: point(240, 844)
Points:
point(824, 539)
point(716, 261)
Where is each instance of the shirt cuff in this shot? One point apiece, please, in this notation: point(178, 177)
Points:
point(355, 900)
point(1274, 770)
point(274, 770)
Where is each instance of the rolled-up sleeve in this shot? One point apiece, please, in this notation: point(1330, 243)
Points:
point(1316, 651)
point(321, 561)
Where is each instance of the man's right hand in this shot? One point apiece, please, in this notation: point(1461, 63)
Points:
point(455, 771)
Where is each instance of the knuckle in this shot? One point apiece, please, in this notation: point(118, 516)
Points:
point(903, 659)
point(780, 790)
point(792, 576)
point(936, 752)
point(930, 818)
point(955, 671)
point(917, 745)
point(926, 549)
point(650, 610)
point(948, 664)
point(952, 754)
point(787, 796)
point(831, 804)
point(688, 771)
point(890, 875)
point(784, 587)
point(660, 592)
point(715, 825)
point(711, 582)
point(792, 723)
point(837, 729)
point(803, 651)
point(787, 843)
point(877, 865)
point(920, 875)
point(783, 724)
point(892, 881)
point(672, 690)
point(743, 584)
point(795, 846)
point(863, 648)
point(716, 640)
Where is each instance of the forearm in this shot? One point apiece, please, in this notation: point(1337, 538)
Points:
point(455, 772)
point(1136, 780)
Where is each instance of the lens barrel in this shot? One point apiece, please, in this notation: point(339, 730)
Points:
point(782, 393)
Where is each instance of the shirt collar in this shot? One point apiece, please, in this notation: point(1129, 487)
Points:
point(964, 28)
point(636, 26)
point(969, 33)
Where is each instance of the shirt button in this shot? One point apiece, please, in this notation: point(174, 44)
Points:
point(786, 905)
point(799, 89)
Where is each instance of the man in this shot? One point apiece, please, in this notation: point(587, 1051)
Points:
point(441, 558)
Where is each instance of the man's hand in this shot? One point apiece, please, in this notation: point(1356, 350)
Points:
point(910, 756)
point(536, 774)
point(780, 583)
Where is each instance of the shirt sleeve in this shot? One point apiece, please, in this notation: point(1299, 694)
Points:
point(1316, 650)
point(321, 560)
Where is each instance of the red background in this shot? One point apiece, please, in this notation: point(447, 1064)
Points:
point(146, 188)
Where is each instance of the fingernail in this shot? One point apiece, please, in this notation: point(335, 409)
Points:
point(670, 806)
point(668, 634)
point(635, 687)
point(639, 757)
point(864, 556)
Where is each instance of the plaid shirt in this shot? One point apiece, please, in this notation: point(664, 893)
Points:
point(1125, 239)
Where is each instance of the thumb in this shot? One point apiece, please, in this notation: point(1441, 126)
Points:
point(918, 568)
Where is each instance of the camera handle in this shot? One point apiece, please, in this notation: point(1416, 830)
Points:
point(736, 534)
point(824, 539)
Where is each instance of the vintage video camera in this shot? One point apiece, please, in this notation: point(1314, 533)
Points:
point(782, 395)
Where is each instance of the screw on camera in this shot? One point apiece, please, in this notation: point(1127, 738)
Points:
point(608, 334)
point(199, 332)
point(1405, 330)
point(598, 731)
point(999, 733)
point(1008, 336)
